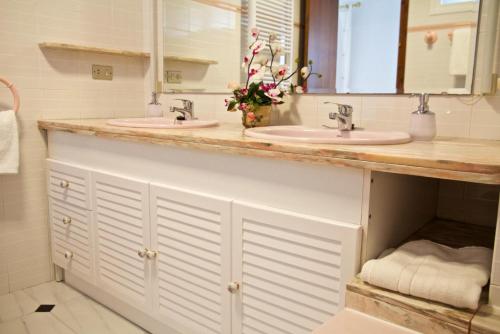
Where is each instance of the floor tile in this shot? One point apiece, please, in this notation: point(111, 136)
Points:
point(52, 293)
point(45, 323)
point(81, 316)
point(13, 327)
point(73, 313)
point(25, 302)
point(117, 323)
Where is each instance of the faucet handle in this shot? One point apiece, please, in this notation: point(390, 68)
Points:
point(188, 104)
point(344, 109)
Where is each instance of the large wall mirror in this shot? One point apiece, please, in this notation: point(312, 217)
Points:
point(359, 46)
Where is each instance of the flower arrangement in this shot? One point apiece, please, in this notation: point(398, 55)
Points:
point(256, 98)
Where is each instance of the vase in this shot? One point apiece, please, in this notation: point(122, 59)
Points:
point(258, 116)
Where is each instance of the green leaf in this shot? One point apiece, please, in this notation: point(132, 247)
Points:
point(231, 105)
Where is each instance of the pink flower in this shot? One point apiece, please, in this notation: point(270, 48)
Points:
point(255, 32)
point(251, 116)
point(267, 87)
point(243, 106)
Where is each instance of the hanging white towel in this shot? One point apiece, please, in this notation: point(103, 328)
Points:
point(432, 271)
point(9, 143)
point(460, 50)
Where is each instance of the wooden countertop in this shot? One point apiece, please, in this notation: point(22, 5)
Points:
point(446, 158)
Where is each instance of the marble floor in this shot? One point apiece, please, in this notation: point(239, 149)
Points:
point(73, 313)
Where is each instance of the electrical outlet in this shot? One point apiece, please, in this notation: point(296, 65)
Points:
point(173, 76)
point(102, 72)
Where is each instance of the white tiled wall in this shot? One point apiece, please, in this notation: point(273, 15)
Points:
point(468, 117)
point(202, 29)
point(57, 84)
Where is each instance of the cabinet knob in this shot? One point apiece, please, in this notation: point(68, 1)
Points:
point(142, 252)
point(151, 254)
point(64, 184)
point(233, 287)
point(66, 220)
point(68, 255)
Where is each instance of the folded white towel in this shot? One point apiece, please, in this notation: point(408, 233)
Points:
point(9, 143)
point(460, 50)
point(432, 271)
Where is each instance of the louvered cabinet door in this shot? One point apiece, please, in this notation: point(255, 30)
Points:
point(191, 233)
point(121, 219)
point(292, 269)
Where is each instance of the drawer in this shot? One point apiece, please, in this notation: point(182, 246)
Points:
point(72, 246)
point(68, 183)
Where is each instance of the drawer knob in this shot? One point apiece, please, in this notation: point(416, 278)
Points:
point(66, 220)
point(142, 253)
point(151, 254)
point(64, 184)
point(233, 287)
point(68, 255)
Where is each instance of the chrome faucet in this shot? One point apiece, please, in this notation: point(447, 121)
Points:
point(343, 116)
point(187, 112)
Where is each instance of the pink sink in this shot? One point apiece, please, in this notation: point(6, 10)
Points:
point(303, 134)
point(161, 123)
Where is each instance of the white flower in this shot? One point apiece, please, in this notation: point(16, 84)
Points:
point(259, 75)
point(273, 36)
point(256, 47)
point(280, 71)
point(299, 90)
point(263, 60)
point(277, 48)
point(304, 72)
point(233, 85)
point(254, 32)
point(274, 95)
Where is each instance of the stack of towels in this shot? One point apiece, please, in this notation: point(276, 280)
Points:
point(432, 271)
point(9, 143)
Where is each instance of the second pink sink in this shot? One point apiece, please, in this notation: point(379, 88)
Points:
point(328, 136)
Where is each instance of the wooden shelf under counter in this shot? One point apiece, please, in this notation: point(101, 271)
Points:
point(417, 313)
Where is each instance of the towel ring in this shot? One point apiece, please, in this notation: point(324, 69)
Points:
point(14, 92)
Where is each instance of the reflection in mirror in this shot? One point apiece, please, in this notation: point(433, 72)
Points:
point(359, 46)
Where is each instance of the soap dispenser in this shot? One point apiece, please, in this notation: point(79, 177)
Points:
point(423, 121)
point(154, 108)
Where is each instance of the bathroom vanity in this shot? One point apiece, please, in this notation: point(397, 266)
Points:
point(208, 231)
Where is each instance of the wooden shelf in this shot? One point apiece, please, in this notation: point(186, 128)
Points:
point(192, 60)
point(85, 48)
point(121, 52)
point(396, 307)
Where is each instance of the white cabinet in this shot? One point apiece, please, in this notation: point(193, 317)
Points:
point(191, 233)
point(194, 262)
point(122, 238)
point(292, 269)
point(68, 183)
point(71, 238)
point(70, 218)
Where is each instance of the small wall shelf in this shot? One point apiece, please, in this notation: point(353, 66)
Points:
point(192, 60)
point(108, 51)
